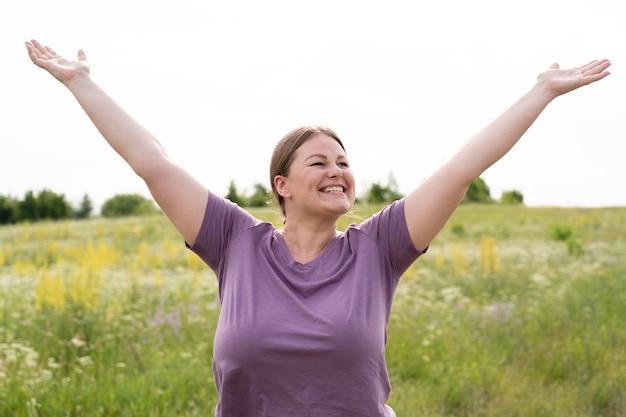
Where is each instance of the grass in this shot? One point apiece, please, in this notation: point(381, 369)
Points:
point(514, 311)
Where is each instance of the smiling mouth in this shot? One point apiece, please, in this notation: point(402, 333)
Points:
point(334, 189)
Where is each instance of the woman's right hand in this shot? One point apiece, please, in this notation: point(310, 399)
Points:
point(63, 69)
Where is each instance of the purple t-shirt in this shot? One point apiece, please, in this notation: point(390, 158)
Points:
point(297, 339)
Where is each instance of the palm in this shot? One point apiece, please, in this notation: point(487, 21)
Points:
point(61, 68)
point(563, 81)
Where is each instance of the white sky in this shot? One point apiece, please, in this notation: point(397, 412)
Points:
point(404, 83)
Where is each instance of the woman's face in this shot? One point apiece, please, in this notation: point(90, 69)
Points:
point(320, 181)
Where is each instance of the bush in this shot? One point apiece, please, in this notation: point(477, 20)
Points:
point(478, 192)
point(512, 197)
point(127, 205)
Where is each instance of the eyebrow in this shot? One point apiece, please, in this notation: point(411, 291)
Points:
point(316, 155)
point(319, 155)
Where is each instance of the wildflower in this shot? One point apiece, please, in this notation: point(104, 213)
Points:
point(50, 290)
point(52, 363)
point(458, 258)
point(488, 255)
point(77, 341)
point(174, 321)
point(439, 260)
point(85, 361)
point(500, 311)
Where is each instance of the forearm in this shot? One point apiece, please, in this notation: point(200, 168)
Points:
point(492, 142)
point(124, 134)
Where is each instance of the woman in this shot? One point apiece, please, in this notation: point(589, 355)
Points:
point(302, 328)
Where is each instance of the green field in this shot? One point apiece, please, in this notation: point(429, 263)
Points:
point(514, 311)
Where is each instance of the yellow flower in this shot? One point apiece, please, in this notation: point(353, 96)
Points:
point(458, 259)
point(50, 290)
point(488, 255)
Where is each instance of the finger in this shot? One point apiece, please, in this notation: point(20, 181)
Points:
point(34, 52)
point(602, 65)
point(37, 52)
point(596, 77)
point(596, 66)
point(31, 51)
point(38, 47)
point(554, 66)
point(50, 52)
point(82, 56)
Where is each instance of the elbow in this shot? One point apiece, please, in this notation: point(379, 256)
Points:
point(150, 165)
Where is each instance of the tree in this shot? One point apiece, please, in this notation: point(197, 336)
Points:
point(8, 210)
point(85, 208)
point(51, 205)
point(478, 192)
point(28, 207)
point(512, 197)
point(259, 197)
point(127, 205)
point(233, 194)
point(378, 193)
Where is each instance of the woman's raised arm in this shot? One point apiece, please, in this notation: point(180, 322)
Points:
point(430, 205)
point(181, 197)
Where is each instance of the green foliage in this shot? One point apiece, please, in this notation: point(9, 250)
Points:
point(378, 193)
point(46, 205)
point(233, 194)
point(512, 197)
point(560, 232)
point(85, 208)
point(9, 210)
point(458, 229)
point(565, 234)
point(260, 197)
point(128, 205)
point(478, 192)
point(28, 209)
point(52, 206)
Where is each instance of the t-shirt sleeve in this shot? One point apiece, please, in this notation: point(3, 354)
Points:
point(389, 229)
point(222, 221)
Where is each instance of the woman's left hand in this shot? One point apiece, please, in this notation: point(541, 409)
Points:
point(560, 81)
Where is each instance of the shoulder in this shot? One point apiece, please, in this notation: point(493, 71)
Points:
point(390, 218)
point(389, 231)
point(223, 222)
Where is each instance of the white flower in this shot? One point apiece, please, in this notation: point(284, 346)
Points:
point(85, 361)
point(52, 363)
point(78, 342)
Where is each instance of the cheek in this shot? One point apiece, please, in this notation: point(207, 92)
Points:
point(349, 177)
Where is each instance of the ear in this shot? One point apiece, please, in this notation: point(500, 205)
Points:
point(280, 182)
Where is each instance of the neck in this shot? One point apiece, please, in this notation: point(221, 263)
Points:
point(306, 243)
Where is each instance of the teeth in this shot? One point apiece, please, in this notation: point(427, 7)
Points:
point(333, 189)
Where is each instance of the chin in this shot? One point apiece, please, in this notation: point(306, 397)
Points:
point(344, 208)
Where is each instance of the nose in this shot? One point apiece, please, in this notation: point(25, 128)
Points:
point(335, 172)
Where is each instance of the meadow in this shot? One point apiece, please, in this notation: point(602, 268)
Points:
point(514, 311)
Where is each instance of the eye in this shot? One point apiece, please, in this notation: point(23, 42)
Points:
point(319, 164)
point(344, 164)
